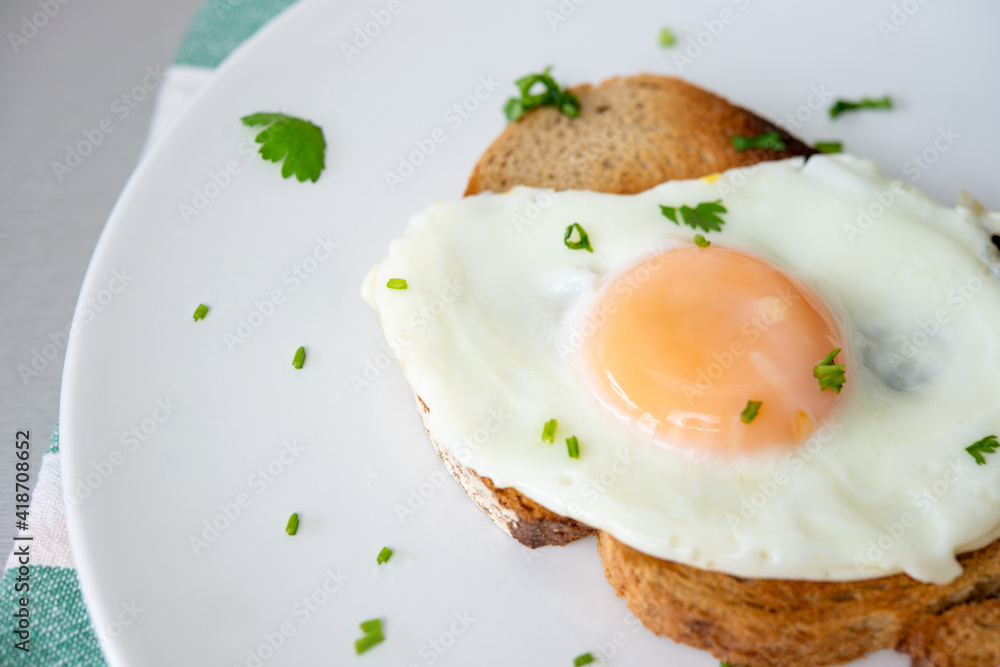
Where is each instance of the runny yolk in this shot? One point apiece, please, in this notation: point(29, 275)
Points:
point(686, 338)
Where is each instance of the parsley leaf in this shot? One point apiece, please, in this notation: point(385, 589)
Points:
point(769, 140)
point(298, 142)
point(840, 106)
point(552, 96)
point(704, 216)
point(667, 38)
point(987, 445)
point(701, 241)
point(829, 374)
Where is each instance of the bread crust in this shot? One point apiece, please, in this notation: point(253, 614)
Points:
point(632, 134)
point(775, 622)
point(963, 636)
point(513, 512)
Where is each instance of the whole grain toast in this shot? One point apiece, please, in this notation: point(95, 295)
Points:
point(777, 622)
point(632, 134)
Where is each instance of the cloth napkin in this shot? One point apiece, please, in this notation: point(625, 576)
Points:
point(61, 632)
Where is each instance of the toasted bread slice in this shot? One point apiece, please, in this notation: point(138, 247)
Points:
point(963, 636)
point(632, 134)
point(516, 514)
point(772, 622)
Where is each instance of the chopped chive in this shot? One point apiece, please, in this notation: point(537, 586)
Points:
point(723, 663)
point(701, 241)
point(750, 411)
point(667, 38)
point(396, 283)
point(582, 244)
point(768, 140)
point(384, 556)
point(573, 446)
point(373, 635)
point(293, 524)
point(549, 431)
point(840, 106)
point(300, 357)
point(828, 359)
point(372, 626)
point(553, 96)
point(829, 374)
point(584, 659)
point(200, 312)
point(829, 146)
point(368, 641)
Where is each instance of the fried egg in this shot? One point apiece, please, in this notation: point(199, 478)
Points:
point(648, 349)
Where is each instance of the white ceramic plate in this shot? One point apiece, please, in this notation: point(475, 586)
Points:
point(457, 591)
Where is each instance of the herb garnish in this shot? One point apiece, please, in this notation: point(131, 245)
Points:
point(582, 244)
point(840, 106)
point(987, 445)
point(704, 216)
point(573, 447)
point(750, 411)
point(373, 635)
point(829, 374)
point(769, 140)
point(553, 96)
point(549, 431)
point(298, 142)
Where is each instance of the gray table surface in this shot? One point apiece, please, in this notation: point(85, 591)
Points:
point(59, 84)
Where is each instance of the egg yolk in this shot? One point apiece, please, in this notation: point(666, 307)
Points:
point(681, 342)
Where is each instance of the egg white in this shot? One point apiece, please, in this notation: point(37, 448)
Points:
point(497, 309)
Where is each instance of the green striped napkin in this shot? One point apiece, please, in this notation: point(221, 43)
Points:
point(61, 633)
